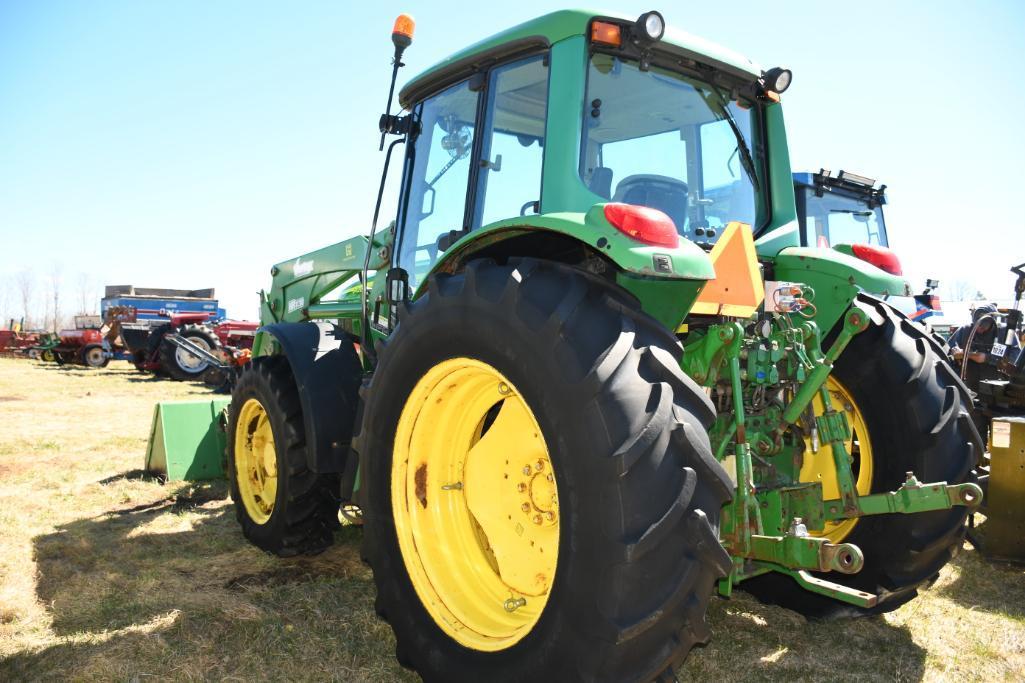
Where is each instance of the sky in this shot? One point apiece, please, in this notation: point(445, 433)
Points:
point(193, 144)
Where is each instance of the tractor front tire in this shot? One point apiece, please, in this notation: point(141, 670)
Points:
point(528, 407)
point(282, 506)
point(181, 365)
point(93, 356)
point(917, 414)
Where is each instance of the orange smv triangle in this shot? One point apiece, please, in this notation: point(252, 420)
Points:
point(737, 289)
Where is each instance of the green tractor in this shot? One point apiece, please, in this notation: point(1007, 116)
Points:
point(588, 377)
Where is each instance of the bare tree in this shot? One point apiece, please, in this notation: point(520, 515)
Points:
point(55, 287)
point(960, 290)
point(5, 301)
point(86, 294)
point(25, 281)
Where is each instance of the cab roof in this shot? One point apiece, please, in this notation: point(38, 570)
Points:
point(549, 29)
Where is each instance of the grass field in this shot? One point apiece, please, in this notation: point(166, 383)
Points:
point(106, 574)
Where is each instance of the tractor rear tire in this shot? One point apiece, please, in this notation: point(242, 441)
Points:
point(154, 343)
point(302, 511)
point(917, 413)
point(639, 491)
point(181, 365)
point(93, 356)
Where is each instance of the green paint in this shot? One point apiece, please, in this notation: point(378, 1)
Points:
point(665, 300)
point(747, 363)
point(186, 441)
point(557, 26)
point(836, 278)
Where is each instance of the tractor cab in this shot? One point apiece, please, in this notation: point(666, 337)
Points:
point(842, 209)
point(549, 123)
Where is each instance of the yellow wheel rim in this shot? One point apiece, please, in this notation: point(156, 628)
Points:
point(256, 464)
point(821, 468)
point(475, 504)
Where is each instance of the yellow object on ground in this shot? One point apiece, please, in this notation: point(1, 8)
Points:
point(1005, 501)
point(475, 504)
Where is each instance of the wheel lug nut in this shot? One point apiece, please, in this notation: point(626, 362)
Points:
point(550, 516)
point(521, 487)
point(551, 478)
point(537, 519)
point(525, 507)
point(540, 465)
point(526, 469)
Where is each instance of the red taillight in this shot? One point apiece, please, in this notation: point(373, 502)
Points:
point(643, 224)
point(880, 257)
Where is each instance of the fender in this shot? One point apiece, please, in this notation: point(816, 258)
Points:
point(328, 385)
point(687, 261)
point(836, 278)
point(667, 279)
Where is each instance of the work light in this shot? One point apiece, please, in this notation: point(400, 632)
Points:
point(651, 25)
point(777, 79)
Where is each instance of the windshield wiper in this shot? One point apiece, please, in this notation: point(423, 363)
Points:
point(863, 214)
point(715, 101)
point(746, 160)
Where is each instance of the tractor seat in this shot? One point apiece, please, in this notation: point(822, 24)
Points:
point(666, 194)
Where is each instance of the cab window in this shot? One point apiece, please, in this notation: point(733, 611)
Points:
point(438, 177)
point(509, 180)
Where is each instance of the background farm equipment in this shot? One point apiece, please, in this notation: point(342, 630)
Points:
point(189, 347)
point(14, 342)
point(180, 334)
point(845, 211)
point(90, 343)
point(569, 418)
point(1000, 411)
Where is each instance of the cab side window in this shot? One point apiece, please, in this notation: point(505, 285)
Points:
point(509, 179)
point(439, 177)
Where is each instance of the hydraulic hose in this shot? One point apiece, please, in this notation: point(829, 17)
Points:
point(968, 344)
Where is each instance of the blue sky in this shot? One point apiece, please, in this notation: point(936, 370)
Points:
point(193, 144)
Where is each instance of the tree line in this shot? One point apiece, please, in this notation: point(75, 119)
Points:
point(47, 300)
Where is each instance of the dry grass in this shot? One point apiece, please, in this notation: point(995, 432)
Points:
point(105, 574)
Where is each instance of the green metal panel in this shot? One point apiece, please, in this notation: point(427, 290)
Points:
point(562, 189)
point(668, 301)
point(687, 261)
point(186, 442)
point(563, 24)
point(782, 230)
point(836, 278)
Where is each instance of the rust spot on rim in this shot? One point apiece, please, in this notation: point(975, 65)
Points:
point(420, 482)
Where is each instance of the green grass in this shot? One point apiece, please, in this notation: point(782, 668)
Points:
point(106, 574)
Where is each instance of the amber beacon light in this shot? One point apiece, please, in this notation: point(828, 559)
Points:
point(402, 32)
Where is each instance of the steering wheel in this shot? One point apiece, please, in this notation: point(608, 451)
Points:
point(531, 204)
point(658, 192)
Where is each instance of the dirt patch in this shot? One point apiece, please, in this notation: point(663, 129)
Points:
point(5, 399)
